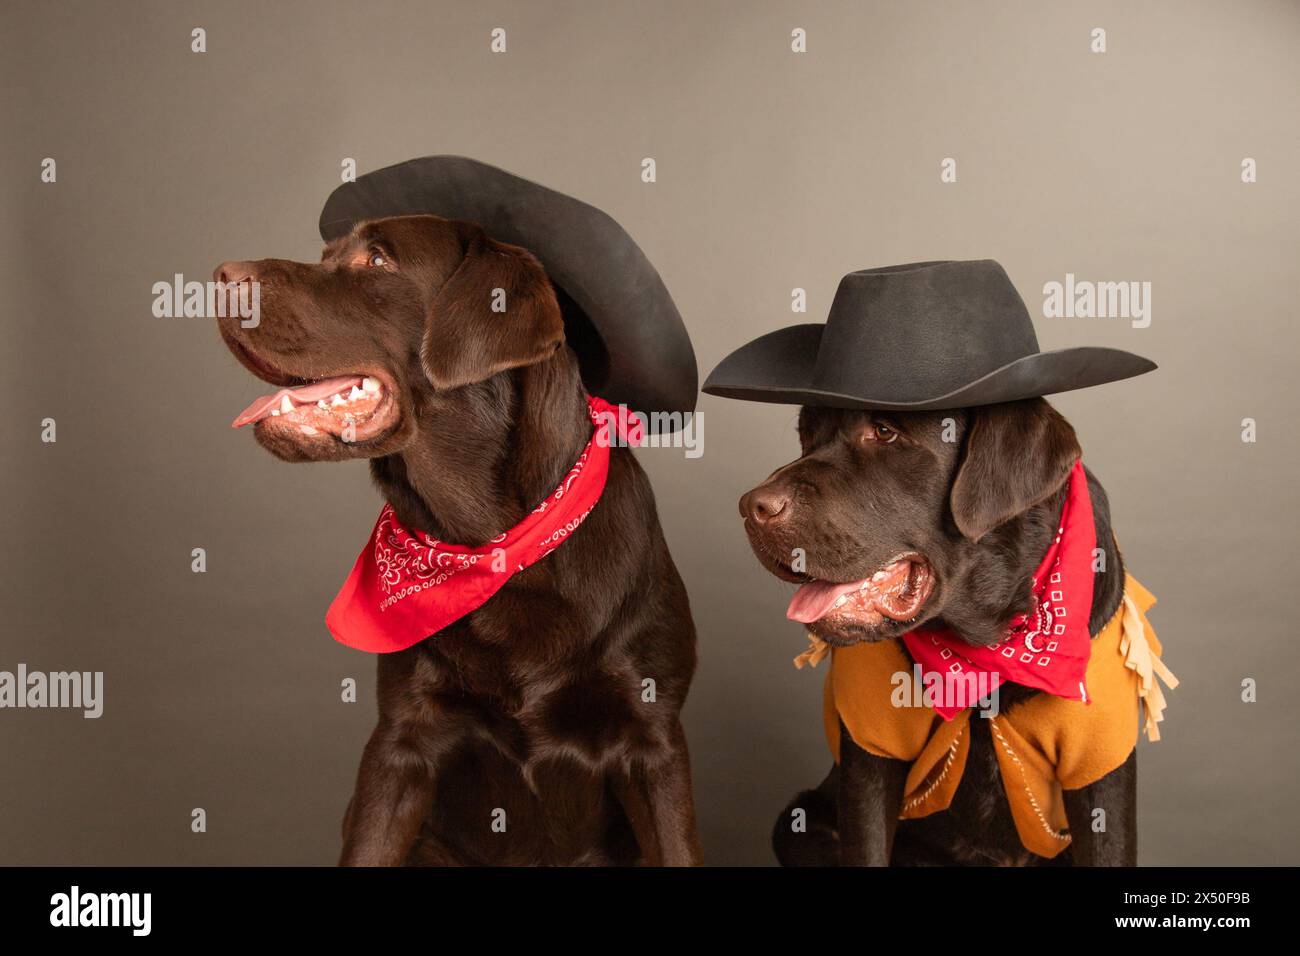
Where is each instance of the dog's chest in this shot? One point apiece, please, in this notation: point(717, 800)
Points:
point(537, 700)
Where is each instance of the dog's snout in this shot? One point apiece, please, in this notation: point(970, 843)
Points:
point(233, 273)
point(765, 504)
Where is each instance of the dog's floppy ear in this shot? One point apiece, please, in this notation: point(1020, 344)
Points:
point(496, 311)
point(1017, 454)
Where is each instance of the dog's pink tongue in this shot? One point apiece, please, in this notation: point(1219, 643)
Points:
point(302, 395)
point(812, 600)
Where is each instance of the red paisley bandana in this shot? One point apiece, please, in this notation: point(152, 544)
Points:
point(406, 586)
point(1047, 648)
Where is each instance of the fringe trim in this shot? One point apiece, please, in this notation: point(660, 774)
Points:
point(817, 649)
point(1139, 657)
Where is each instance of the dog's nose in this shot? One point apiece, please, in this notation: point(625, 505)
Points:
point(765, 504)
point(233, 273)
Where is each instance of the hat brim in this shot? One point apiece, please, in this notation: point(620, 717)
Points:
point(778, 368)
point(632, 345)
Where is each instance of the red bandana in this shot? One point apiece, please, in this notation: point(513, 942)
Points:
point(1047, 648)
point(407, 586)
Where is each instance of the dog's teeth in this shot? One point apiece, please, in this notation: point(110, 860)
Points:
point(321, 404)
point(370, 384)
point(286, 404)
point(863, 586)
point(275, 411)
point(840, 600)
point(355, 394)
point(879, 575)
point(338, 400)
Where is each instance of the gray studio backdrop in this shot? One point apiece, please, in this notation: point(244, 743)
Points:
point(776, 171)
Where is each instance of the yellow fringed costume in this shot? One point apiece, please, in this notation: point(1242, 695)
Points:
point(1043, 745)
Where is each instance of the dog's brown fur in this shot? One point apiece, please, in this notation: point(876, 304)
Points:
point(531, 711)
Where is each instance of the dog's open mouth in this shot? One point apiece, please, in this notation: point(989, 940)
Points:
point(350, 408)
point(896, 592)
point(328, 404)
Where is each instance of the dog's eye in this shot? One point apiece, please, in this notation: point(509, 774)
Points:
point(376, 259)
point(879, 432)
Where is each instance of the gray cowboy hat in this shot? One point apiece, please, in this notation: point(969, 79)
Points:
point(632, 346)
point(925, 335)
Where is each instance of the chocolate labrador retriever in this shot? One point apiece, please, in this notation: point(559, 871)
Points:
point(936, 530)
point(527, 713)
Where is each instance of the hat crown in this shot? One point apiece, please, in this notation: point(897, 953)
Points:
point(960, 320)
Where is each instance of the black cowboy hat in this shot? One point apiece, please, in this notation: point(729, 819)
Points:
point(924, 335)
point(632, 346)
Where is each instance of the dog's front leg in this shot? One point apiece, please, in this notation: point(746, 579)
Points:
point(393, 797)
point(1108, 838)
point(870, 800)
point(656, 796)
